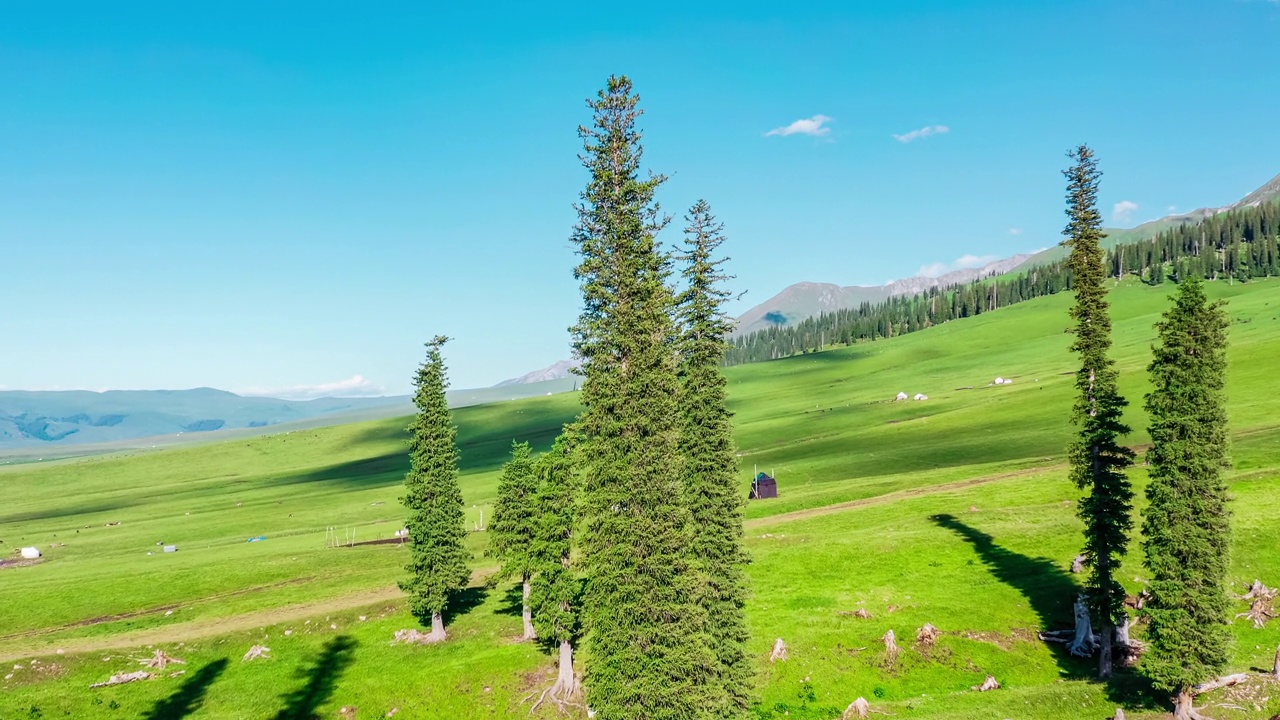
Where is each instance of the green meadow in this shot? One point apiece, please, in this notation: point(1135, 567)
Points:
point(955, 511)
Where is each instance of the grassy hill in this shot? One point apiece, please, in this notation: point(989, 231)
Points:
point(954, 511)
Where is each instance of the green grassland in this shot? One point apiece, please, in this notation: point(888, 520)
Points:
point(954, 511)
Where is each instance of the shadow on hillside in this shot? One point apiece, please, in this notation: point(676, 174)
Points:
point(1052, 593)
point(1049, 589)
point(376, 471)
point(320, 681)
point(188, 697)
point(466, 600)
point(512, 601)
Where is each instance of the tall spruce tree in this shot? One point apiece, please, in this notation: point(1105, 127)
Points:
point(438, 560)
point(556, 588)
point(648, 651)
point(706, 443)
point(1187, 527)
point(1098, 460)
point(512, 528)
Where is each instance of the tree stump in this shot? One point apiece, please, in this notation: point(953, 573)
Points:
point(927, 635)
point(255, 652)
point(857, 709)
point(1085, 642)
point(987, 685)
point(1276, 672)
point(890, 648)
point(160, 661)
point(779, 651)
point(1077, 565)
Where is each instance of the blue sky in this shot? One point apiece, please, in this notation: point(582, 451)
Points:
point(262, 197)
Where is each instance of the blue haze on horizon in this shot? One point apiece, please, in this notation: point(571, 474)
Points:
point(279, 198)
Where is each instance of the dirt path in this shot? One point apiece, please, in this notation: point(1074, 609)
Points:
point(898, 495)
point(210, 626)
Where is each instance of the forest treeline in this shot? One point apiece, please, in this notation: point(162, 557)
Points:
point(1238, 245)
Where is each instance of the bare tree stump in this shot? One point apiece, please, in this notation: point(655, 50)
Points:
point(1077, 565)
point(927, 635)
point(1260, 611)
point(779, 651)
point(987, 685)
point(862, 613)
point(1258, 590)
point(1276, 672)
point(857, 709)
point(1085, 642)
point(890, 648)
point(255, 652)
point(1119, 714)
point(160, 661)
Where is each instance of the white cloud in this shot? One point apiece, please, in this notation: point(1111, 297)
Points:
point(814, 126)
point(923, 132)
point(964, 262)
point(1123, 210)
point(354, 386)
point(1015, 231)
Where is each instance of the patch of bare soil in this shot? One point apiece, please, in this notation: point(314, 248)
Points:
point(20, 562)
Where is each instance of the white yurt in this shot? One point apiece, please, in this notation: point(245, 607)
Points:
point(30, 553)
point(921, 396)
point(901, 396)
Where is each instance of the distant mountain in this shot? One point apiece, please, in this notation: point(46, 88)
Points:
point(32, 418)
point(1269, 192)
point(557, 371)
point(806, 299)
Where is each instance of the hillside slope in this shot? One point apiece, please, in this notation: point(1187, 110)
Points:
point(955, 511)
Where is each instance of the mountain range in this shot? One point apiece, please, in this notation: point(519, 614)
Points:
point(807, 299)
point(41, 420)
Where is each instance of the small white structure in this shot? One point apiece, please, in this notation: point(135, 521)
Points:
point(402, 532)
point(171, 548)
point(901, 396)
point(921, 396)
point(999, 381)
point(30, 553)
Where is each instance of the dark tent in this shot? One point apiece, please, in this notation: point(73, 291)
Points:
point(763, 487)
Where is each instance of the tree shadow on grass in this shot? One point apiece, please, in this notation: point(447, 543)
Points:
point(1050, 590)
point(320, 681)
point(189, 695)
point(512, 601)
point(466, 600)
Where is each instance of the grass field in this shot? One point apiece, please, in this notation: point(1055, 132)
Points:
point(954, 511)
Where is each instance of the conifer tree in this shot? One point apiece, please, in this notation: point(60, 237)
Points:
point(511, 530)
point(1186, 527)
point(648, 653)
point(438, 564)
point(1098, 460)
point(556, 588)
point(706, 443)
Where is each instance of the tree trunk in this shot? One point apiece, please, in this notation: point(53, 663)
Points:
point(1104, 652)
point(526, 614)
point(1182, 708)
point(437, 628)
point(1276, 672)
point(565, 679)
